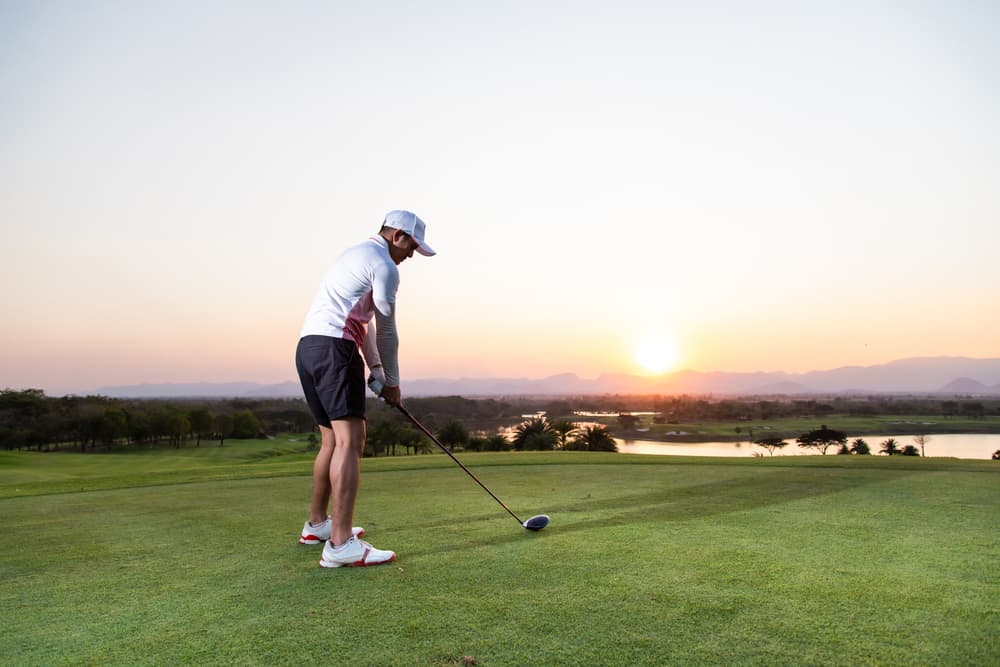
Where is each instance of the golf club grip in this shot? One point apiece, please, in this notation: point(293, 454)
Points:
point(447, 451)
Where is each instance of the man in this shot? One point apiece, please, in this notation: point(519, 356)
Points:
point(360, 285)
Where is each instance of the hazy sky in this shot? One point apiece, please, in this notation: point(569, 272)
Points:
point(763, 186)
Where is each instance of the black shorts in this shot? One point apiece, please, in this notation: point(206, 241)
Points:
point(332, 374)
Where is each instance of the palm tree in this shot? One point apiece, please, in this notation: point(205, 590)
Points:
point(861, 447)
point(534, 434)
point(563, 430)
point(889, 447)
point(593, 439)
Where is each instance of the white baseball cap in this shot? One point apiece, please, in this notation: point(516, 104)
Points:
point(408, 222)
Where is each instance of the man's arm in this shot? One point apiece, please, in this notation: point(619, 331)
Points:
point(387, 344)
point(369, 350)
point(386, 339)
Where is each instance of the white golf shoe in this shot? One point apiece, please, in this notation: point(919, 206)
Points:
point(354, 553)
point(321, 533)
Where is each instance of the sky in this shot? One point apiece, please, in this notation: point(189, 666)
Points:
point(612, 187)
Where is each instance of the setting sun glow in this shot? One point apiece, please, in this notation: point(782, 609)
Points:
point(656, 355)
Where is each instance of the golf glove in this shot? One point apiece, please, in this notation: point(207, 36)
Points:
point(376, 381)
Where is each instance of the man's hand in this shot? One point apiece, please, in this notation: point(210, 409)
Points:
point(391, 395)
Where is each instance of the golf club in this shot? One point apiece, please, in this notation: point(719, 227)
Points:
point(536, 522)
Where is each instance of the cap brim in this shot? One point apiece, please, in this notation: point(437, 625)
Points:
point(425, 250)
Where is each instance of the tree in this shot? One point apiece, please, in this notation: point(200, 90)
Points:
point(593, 439)
point(21, 413)
point(921, 441)
point(497, 443)
point(382, 436)
point(534, 434)
point(13, 438)
point(22, 406)
point(411, 438)
point(223, 427)
point(563, 429)
point(859, 446)
point(542, 441)
point(822, 439)
point(112, 426)
point(245, 425)
point(889, 447)
point(770, 444)
point(177, 426)
point(493, 443)
point(628, 421)
point(453, 433)
point(158, 426)
point(973, 409)
point(910, 450)
point(201, 423)
point(139, 427)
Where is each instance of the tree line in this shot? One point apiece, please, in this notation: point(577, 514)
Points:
point(31, 420)
point(387, 432)
point(823, 439)
point(688, 408)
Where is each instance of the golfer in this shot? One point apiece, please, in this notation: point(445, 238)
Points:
point(360, 285)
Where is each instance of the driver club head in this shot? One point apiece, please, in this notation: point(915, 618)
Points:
point(537, 522)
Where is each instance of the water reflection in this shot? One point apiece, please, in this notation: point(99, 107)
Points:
point(962, 446)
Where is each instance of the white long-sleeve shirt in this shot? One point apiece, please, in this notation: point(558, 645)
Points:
point(361, 284)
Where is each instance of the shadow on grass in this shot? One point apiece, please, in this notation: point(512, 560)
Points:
point(685, 503)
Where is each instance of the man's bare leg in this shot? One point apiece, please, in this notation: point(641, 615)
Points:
point(345, 474)
point(320, 506)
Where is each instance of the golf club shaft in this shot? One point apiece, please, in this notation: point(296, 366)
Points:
point(448, 452)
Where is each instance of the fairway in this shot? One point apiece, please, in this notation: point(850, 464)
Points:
point(647, 561)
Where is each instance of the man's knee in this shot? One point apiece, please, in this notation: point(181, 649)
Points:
point(350, 431)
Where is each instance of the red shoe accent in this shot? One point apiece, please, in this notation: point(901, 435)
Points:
point(364, 558)
point(362, 563)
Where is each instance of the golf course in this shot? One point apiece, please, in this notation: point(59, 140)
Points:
point(190, 556)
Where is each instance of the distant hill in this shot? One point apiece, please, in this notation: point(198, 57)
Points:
point(922, 375)
point(925, 375)
point(965, 386)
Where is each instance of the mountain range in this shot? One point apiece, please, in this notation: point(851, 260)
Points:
point(920, 375)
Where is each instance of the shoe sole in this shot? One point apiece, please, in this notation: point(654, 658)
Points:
point(313, 539)
point(359, 563)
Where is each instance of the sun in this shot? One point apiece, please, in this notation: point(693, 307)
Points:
point(656, 354)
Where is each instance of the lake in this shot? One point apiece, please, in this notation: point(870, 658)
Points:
point(962, 446)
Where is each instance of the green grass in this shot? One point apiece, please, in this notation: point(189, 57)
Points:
point(190, 558)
